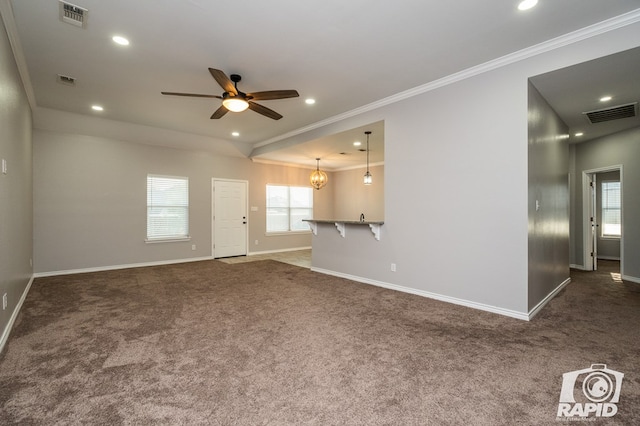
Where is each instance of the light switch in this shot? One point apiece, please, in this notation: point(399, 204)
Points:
point(254, 208)
point(4, 166)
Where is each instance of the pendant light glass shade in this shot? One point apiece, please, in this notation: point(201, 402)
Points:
point(368, 179)
point(318, 178)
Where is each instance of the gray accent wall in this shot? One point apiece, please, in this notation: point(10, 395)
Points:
point(548, 158)
point(90, 201)
point(16, 208)
point(619, 149)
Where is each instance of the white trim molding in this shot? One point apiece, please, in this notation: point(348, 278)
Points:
point(594, 30)
point(124, 266)
point(630, 278)
point(533, 312)
point(428, 294)
point(257, 253)
point(14, 315)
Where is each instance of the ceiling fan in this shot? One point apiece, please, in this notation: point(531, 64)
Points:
point(237, 101)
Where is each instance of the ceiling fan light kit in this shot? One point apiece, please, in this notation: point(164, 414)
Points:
point(318, 178)
point(236, 101)
point(235, 104)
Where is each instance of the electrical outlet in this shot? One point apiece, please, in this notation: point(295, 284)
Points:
point(4, 301)
point(256, 242)
point(193, 247)
point(393, 267)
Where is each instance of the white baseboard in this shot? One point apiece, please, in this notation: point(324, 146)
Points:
point(578, 267)
point(630, 278)
point(448, 299)
point(608, 258)
point(14, 315)
point(115, 267)
point(255, 253)
point(533, 312)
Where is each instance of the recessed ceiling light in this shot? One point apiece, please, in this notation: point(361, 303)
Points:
point(357, 143)
point(310, 101)
point(605, 98)
point(579, 134)
point(97, 108)
point(236, 134)
point(120, 40)
point(527, 4)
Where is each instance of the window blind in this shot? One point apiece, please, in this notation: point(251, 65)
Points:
point(287, 206)
point(611, 209)
point(167, 207)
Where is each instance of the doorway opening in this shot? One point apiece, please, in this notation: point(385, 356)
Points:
point(603, 218)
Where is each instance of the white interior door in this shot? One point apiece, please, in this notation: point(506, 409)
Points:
point(229, 218)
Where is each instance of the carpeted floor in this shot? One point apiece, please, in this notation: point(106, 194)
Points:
point(266, 343)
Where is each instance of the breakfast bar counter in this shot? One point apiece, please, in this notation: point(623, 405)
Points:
point(341, 225)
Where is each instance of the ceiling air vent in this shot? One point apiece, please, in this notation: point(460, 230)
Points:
point(613, 113)
point(66, 80)
point(74, 15)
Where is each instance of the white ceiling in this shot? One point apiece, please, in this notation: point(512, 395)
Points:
point(345, 54)
point(579, 88)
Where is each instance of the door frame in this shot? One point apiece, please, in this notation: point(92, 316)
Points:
point(587, 199)
point(213, 212)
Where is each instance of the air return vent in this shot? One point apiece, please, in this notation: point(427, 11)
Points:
point(613, 113)
point(66, 80)
point(74, 15)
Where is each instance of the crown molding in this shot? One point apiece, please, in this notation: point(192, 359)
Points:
point(594, 30)
point(6, 11)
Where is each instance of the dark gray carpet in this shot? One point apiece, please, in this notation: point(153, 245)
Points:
point(266, 343)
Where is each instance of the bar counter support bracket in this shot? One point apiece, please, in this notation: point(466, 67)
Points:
point(375, 228)
point(341, 228)
point(314, 227)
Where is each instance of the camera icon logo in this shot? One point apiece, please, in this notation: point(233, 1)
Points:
point(593, 391)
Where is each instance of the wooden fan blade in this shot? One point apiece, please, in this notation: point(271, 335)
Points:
point(195, 95)
point(223, 81)
point(220, 112)
point(264, 111)
point(273, 94)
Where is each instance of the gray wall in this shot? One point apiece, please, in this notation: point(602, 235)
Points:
point(608, 248)
point(90, 201)
point(466, 237)
point(352, 197)
point(16, 209)
point(622, 148)
point(548, 199)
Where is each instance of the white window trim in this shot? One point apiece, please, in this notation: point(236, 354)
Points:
point(604, 236)
point(170, 239)
point(290, 232)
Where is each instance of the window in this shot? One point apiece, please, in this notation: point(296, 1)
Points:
point(167, 207)
point(287, 206)
point(611, 223)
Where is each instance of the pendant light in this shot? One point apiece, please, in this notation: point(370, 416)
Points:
point(318, 178)
point(368, 179)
